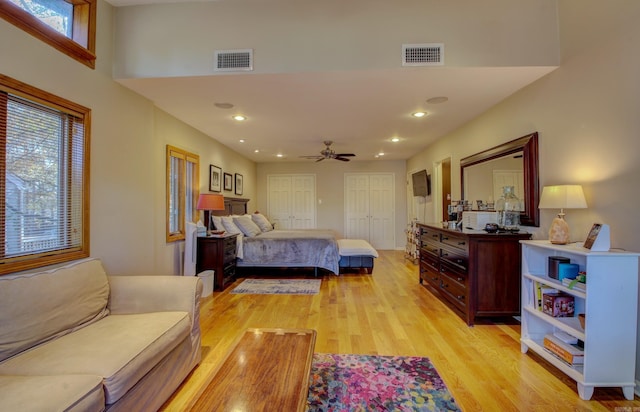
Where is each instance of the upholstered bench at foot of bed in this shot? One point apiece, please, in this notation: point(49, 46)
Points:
point(356, 254)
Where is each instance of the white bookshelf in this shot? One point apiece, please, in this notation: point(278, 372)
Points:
point(610, 305)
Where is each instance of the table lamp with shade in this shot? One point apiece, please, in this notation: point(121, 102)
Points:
point(561, 197)
point(209, 202)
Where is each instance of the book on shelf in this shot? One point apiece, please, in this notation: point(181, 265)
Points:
point(571, 354)
point(574, 284)
point(539, 289)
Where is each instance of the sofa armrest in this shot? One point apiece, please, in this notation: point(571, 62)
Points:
point(140, 294)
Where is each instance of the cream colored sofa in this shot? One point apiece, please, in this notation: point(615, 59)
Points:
point(75, 339)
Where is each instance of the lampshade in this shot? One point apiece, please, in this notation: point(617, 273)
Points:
point(562, 197)
point(210, 201)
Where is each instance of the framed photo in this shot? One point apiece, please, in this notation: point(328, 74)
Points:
point(238, 184)
point(215, 179)
point(228, 181)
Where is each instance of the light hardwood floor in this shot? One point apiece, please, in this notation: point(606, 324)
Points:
point(390, 313)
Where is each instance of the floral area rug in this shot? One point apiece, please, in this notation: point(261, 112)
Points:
point(279, 286)
point(376, 383)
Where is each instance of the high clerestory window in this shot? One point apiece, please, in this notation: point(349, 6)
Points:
point(44, 178)
point(69, 26)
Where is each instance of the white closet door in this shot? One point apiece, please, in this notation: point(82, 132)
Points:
point(369, 208)
point(357, 206)
point(381, 211)
point(292, 201)
point(280, 201)
point(303, 197)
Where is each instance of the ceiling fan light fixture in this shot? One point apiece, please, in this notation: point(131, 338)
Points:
point(395, 139)
point(418, 114)
point(239, 117)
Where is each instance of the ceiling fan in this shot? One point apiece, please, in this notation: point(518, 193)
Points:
point(329, 153)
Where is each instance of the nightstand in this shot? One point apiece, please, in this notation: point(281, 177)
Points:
point(218, 253)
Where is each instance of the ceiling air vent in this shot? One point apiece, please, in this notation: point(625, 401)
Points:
point(233, 60)
point(428, 54)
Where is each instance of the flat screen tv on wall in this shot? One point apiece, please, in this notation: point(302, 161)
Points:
point(421, 183)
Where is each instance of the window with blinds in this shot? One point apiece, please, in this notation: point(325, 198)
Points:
point(44, 143)
point(183, 182)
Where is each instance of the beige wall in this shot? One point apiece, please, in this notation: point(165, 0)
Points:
point(586, 116)
point(474, 34)
point(586, 113)
point(330, 188)
point(128, 140)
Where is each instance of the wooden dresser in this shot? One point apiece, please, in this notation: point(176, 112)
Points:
point(477, 274)
point(218, 253)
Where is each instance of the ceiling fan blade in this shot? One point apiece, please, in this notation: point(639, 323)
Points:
point(312, 157)
point(319, 160)
point(345, 154)
point(344, 159)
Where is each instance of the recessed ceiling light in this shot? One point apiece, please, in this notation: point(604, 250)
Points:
point(418, 114)
point(239, 117)
point(437, 100)
point(381, 154)
point(279, 155)
point(241, 140)
point(223, 105)
point(256, 151)
point(395, 139)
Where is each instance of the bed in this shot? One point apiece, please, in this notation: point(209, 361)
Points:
point(268, 247)
point(301, 248)
point(260, 245)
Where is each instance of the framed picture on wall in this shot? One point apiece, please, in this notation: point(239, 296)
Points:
point(228, 181)
point(215, 179)
point(238, 184)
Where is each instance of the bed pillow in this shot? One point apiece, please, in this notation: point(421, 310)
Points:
point(262, 222)
point(230, 226)
point(246, 226)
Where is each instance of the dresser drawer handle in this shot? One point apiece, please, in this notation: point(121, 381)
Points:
point(460, 297)
point(462, 243)
point(460, 279)
point(445, 238)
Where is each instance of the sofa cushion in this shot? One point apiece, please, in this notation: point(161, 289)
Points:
point(41, 306)
point(120, 348)
point(69, 393)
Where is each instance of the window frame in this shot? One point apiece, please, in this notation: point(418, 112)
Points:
point(185, 158)
point(46, 258)
point(82, 45)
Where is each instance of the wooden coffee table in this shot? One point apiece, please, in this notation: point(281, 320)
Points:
point(268, 369)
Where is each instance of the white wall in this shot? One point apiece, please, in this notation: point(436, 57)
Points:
point(586, 113)
point(330, 188)
point(128, 140)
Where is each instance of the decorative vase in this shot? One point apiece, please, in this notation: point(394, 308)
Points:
point(508, 208)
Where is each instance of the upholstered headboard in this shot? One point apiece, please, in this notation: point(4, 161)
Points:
point(232, 206)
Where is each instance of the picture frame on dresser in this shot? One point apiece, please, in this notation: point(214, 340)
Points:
point(239, 184)
point(228, 181)
point(215, 179)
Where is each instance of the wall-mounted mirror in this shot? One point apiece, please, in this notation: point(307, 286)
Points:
point(514, 163)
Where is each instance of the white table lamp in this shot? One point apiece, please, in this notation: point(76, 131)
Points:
point(561, 197)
